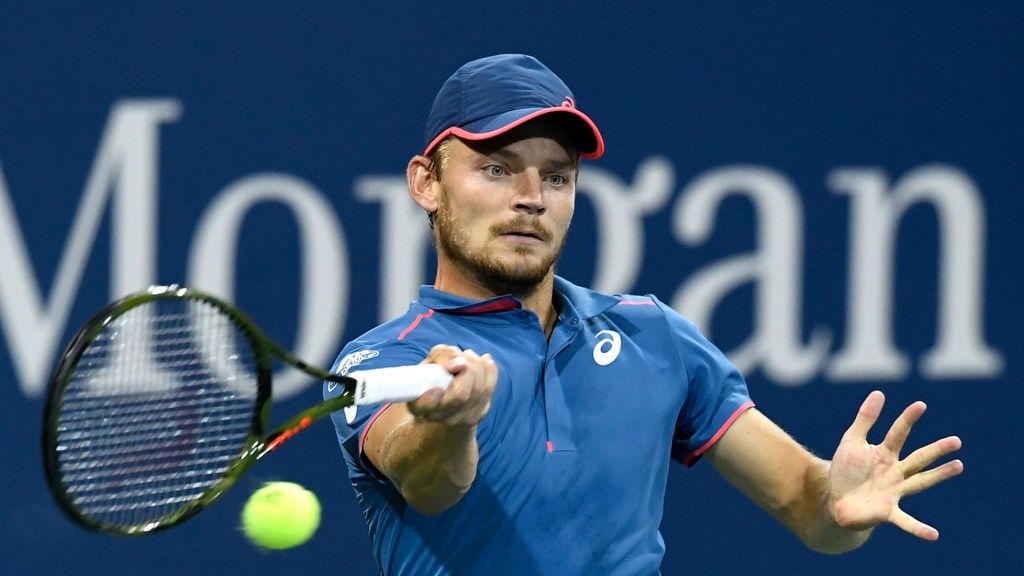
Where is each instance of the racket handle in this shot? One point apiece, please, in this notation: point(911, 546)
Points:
point(398, 384)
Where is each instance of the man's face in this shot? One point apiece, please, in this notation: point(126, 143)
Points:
point(505, 206)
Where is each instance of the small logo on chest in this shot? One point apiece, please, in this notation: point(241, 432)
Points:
point(607, 348)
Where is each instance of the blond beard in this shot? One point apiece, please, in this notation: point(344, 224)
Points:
point(498, 276)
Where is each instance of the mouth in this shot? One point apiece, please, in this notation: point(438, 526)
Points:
point(522, 232)
point(525, 235)
point(524, 238)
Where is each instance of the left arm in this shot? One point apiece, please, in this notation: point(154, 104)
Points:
point(833, 506)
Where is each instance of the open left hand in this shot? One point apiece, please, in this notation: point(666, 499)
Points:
point(868, 481)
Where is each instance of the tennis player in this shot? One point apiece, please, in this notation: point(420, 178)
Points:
point(549, 453)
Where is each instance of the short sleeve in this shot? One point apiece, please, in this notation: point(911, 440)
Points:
point(716, 392)
point(351, 423)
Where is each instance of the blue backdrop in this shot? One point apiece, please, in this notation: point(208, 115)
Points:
point(832, 194)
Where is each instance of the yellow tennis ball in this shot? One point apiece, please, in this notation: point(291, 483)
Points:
point(280, 515)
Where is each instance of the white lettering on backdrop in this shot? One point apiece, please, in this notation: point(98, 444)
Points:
point(324, 299)
point(960, 350)
point(125, 173)
point(776, 268)
point(125, 167)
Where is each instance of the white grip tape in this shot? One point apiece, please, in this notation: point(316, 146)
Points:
point(398, 384)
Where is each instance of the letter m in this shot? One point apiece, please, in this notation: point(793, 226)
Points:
point(124, 169)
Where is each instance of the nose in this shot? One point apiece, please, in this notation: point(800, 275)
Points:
point(529, 195)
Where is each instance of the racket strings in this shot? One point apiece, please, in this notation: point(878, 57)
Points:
point(159, 406)
point(86, 415)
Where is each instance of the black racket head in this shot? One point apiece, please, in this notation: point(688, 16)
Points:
point(152, 409)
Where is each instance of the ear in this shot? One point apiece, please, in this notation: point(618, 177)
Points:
point(423, 187)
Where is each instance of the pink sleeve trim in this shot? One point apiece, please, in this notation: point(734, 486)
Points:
point(692, 458)
point(362, 436)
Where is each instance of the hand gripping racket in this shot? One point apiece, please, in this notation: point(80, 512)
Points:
point(161, 400)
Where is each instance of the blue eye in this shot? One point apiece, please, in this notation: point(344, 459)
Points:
point(556, 179)
point(495, 170)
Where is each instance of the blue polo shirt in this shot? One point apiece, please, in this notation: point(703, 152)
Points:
point(575, 450)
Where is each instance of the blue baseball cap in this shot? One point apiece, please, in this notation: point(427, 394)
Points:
point(490, 96)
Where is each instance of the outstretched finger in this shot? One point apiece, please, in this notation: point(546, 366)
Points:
point(866, 417)
point(912, 525)
point(925, 480)
point(900, 429)
point(923, 457)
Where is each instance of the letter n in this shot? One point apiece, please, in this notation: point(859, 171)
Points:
point(960, 350)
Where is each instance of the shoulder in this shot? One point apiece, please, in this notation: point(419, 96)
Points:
point(649, 312)
point(381, 341)
point(592, 303)
point(645, 311)
point(402, 328)
point(640, 306)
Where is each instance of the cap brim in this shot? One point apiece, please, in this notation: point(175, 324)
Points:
point(590, 143)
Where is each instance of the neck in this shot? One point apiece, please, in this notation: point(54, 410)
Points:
point(538, 298)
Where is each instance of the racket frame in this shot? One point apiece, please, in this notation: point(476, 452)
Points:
point(257, 444)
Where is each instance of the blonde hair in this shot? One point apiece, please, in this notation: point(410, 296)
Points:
point(439, 158)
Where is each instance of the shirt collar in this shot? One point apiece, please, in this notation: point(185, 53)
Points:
point(583, 302)
point(451, 304)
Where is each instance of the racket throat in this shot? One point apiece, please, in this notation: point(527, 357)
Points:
point(284, 436)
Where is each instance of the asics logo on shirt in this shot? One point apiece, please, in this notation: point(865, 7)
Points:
point(607, 348)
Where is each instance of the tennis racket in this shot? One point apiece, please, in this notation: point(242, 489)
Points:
point(161, 402)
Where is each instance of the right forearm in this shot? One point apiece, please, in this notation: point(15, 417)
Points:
point(427, 448)
point(431, 464)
